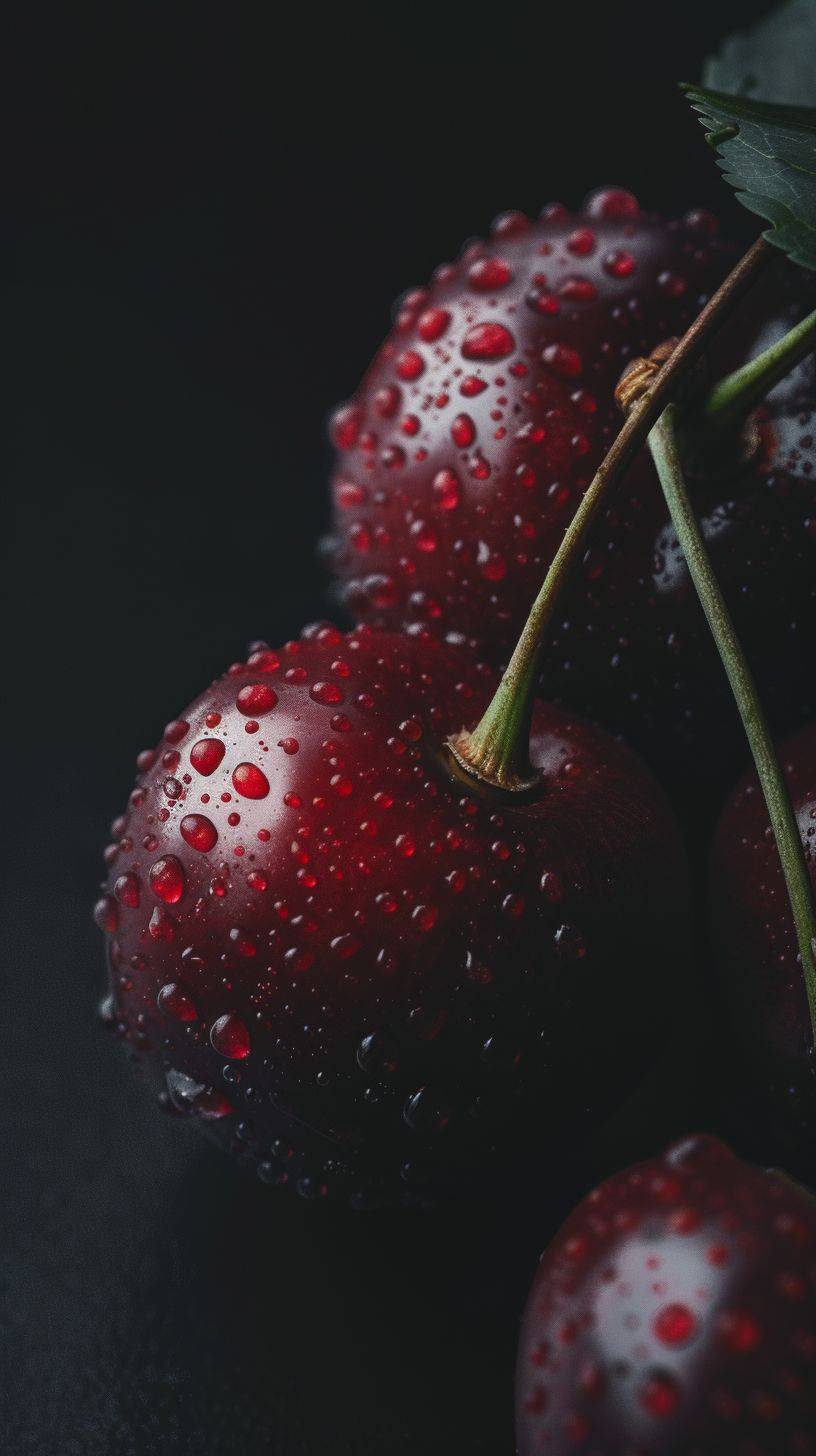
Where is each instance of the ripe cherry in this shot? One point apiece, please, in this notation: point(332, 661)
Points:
point(457, 476)
point(367, 977)
point(757, 942)
point(675, 1313)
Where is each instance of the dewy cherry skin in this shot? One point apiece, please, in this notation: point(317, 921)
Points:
point(366, 977)
point(466, 449)
point(757, 944)
point(675, 1315)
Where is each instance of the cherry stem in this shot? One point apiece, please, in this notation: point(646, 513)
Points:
point(734, 396)
point(497, 750)
point(663, 443)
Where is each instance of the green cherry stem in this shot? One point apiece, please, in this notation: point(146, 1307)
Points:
point(497, 750)
point(663, 443)
point(733, 397)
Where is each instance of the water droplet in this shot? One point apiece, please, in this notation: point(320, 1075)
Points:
point(488, 341)
point(106, 914)
point(173, 1000)
point(426, 1112)
point(255, 699)
point(563, 361)
point(619, 264)
point(199, 832)
point(128, 891)
point(250, 782)
point(740, 1331)
point(410, 365)
point(432, 324)
point(327, 692)
point(489, 273)
point(674, 1324)
point(660, 1394)
point(206, 755)
point(167, 879)
point(229, 1036)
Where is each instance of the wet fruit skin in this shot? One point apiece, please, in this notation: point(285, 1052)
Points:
point(756, 942)
point(481, 420)
point(364, 978)
point(674, 1314)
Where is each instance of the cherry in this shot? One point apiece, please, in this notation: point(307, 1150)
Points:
point(675, 1312)
point(474, 433)
point(367, 977)
point(757, 942)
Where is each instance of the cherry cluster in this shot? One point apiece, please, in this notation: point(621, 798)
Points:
point(377, 977)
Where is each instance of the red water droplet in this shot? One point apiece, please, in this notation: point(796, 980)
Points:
point(145, 760)
point(344, 426)
point(250, 782)
point(619, 264)
point(212, 720)
point(543, 302)
point(674, 1324)
point(229, 1036)
point(432, 324)
point(488, 273)
point(162, 926)
point(199, 832)
point(581, 242)
point(326, 692)
point(424, 917)
point(106, 914)
point(257, 881)
point(488, 341)
point(740, 1331)
point(127, 891)
point(167, 879)
point(176, 729)
point(174, 1001)
point(386, 402)
point(463, 431)
point(289, 745)
point(410, 365)
point(424, 536)
point(264, 660)
point(659, 1395)
point(563, 361)
point(206, 755)
point(579, 290)
point(612, 202)
point(255, 699)
point(471, 386)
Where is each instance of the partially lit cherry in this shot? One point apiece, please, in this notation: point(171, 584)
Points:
point(368, 978)
point(469, 443)
point(756, 942)
point(675, 1315)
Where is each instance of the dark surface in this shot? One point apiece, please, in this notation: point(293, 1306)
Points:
point(202, 230)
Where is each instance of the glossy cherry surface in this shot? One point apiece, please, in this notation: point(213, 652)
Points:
point(365, 978)
point(674, 1314)
point(466, 449)
point(756, 940)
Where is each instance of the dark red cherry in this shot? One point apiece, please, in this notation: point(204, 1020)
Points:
point(452, 494)
point(674, 1314)
point(757, 945)
point(370, 979)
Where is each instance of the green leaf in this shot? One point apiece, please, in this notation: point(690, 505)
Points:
point(776, 61)
point(768, 154)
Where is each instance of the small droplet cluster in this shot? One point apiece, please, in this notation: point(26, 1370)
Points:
point(675, 1311)
point(355, 972)
point(478, 426)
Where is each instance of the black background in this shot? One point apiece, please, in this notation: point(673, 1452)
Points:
point(205, 214)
